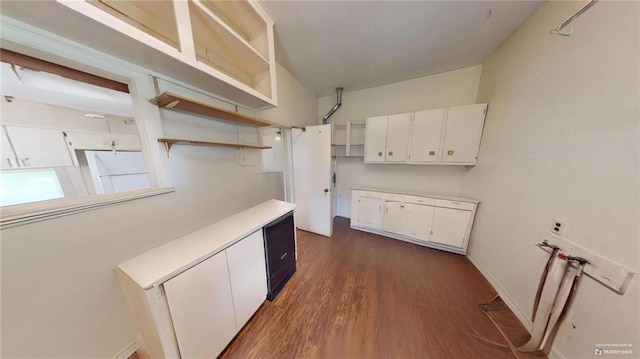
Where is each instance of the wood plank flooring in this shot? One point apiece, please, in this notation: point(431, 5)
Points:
point(360, 295)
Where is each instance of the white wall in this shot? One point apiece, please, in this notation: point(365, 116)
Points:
point(446, 89)
point(561, 141)
point(294, 102)
point(60, 296)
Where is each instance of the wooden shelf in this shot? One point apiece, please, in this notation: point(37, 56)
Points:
point(169, 142)
point(173, 101)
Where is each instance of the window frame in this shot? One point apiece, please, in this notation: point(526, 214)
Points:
point(32, 41)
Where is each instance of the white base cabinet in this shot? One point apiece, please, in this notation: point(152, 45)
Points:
point(433, 221)
point(191, 296)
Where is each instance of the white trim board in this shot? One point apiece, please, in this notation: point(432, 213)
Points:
point(126, 352)
point(603, 270)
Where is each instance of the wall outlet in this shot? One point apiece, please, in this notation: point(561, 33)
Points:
point(557, 227)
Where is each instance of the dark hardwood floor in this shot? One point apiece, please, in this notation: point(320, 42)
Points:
point(360, 295)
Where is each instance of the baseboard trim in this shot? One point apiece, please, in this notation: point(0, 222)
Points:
point(506, 298)
point(524, 319)
point(126, 352)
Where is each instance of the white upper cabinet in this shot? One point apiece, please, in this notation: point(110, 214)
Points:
point(375, 144)
point(8, 156)
point(426, 131)
point(439, 136)
point(39, 147)
point(463, 132)
point(398, 129)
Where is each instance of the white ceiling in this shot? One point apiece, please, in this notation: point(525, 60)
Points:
point(361, 44)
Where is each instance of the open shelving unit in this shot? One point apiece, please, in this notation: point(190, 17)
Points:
point(225, 47)
point(174, 101)
point(237, 47)
point(347, 140)
point(156, 18)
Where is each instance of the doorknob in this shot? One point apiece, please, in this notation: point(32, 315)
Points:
point(326, 190)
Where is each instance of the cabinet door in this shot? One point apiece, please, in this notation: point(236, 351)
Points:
point(370, 212)
point(463, 132)
point(417, 220)
point(375, 139)
point(393, 217)
point(398, 137)
point(39, 147)
point(248, 276)
point(450, 226)
point(426, 131)
point(8, 156)
point(201, 308)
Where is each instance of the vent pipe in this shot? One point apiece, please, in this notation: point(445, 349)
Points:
point(335, 107)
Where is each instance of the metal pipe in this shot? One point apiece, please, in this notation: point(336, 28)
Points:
point(560, 29)
point(335, 107)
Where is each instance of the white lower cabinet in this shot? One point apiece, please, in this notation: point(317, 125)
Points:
point(450, 226)
point(430, 221)
point(201, 307)
point(212, 301)
point(369, 212)
point(247, 272)
point(393, 217)
point(415, 222)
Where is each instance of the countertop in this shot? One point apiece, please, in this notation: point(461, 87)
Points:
point(158, 265)
point(428, 195)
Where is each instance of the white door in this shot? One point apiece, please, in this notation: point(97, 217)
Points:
point(375, 139)
point(369, 212)
point(463, 133)
point(201, 308)
point(425, 135)
point(393, 217)
point(450, 226)
point(398, 137)
point(417, 220)
point(312, 179)
point(248, 276)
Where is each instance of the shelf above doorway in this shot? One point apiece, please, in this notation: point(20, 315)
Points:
point(176, 102)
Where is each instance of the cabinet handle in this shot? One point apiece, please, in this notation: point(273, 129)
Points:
point(10, 162)
point(432, 153)
point(25, 161)
point(379, 153)
point(450, 153)
point(390, 153)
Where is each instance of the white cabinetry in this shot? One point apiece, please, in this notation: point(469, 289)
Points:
point(432, 221)
point(387, 138)
point(369, 212)
point(191, 296)
point(247, 272)
point(375, 144)
point(201, 308)
point(450, 226)
point(39, 147)
point(439, 136)
point(462, 133)
point(348, 140)
point(426, 131)
point(8, 156)
point(393, 216)
point(415, 223)
point(103, 141)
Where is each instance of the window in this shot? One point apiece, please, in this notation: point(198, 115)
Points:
point(25, 186)
point(65, 134)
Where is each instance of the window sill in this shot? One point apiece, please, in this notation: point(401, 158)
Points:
point(16, 215)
